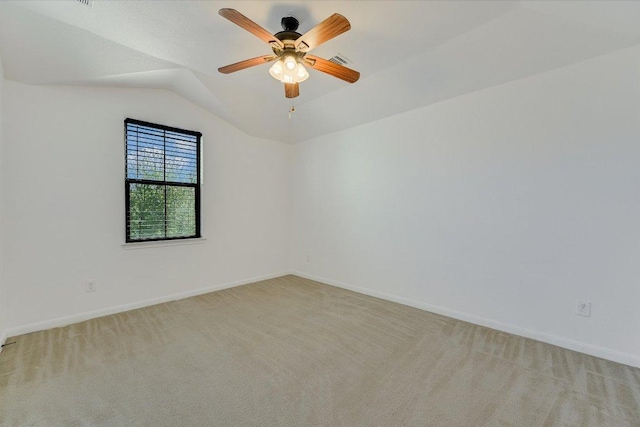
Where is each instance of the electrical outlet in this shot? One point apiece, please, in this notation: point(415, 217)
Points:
point(583, 309)
point(308, 258)
point(91, 286)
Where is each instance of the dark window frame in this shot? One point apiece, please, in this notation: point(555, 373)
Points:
point(196, 186)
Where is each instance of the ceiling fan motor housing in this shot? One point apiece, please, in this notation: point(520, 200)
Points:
point(287, 35)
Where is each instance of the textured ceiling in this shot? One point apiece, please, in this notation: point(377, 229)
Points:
point(410, 54)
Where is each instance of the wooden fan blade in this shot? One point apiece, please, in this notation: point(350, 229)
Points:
point(291, 90)
point(335, 70)
point(331, 27)
point(246, 64)
point(246, 23)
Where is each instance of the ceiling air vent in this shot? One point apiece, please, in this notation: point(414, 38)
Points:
point(340, 59)
point(86, 2)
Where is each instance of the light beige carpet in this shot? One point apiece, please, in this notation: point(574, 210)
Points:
point(290, 351)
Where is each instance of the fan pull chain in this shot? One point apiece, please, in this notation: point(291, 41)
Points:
point(292, 109)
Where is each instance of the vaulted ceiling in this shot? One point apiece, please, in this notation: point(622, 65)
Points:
point(410, 53)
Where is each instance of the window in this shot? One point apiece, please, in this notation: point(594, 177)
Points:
point(162, 182)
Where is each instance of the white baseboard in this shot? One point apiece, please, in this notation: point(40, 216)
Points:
point(75, 318)
point(605, 353)
point(602, 352)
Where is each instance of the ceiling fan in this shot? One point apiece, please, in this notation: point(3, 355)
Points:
point(290, 50)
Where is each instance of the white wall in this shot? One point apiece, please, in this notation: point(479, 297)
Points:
point(64, 203)
point(504, 206)
point(3, 302)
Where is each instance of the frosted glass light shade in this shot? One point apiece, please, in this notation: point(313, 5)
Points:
point(301, 74)
point(288, 70)
point(276, 70)
point(290, 62)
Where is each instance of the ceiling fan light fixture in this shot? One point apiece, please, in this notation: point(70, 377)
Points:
point(282, 71)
